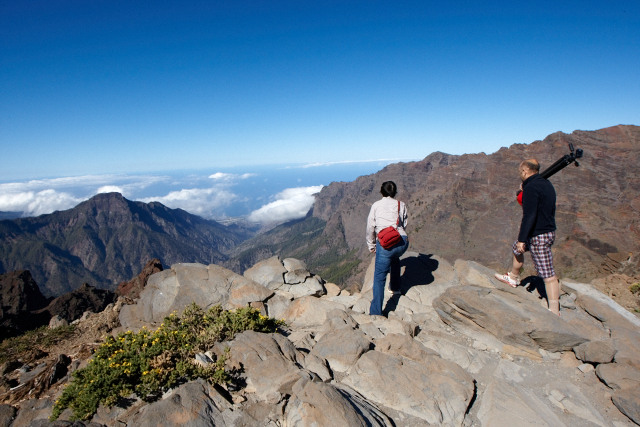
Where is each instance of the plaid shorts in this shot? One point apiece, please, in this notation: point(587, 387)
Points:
point(540, 248)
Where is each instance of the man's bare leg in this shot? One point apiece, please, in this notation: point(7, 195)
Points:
point(552, 286)
point(518, 262)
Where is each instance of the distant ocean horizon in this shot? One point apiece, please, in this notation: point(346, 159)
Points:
point(262, 193)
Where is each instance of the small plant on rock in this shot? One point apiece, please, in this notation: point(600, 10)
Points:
point(148, 363)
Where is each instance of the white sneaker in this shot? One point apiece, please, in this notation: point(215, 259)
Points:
point(508, 279)
point(389, 291)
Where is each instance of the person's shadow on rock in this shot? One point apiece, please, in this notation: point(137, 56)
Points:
point(535, 283)
point(418, 270)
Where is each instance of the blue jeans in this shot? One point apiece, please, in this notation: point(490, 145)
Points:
point(387, 261)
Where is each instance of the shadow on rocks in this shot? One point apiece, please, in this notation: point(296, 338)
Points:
point(418, 271)
point(535, 283)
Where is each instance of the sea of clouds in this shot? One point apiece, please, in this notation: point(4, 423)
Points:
point(261, 194)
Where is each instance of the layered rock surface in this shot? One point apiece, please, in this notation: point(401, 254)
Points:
point(456, 348)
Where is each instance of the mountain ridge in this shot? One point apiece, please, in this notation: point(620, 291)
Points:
point(464, 206)
point(460, 206)
point(108, 239)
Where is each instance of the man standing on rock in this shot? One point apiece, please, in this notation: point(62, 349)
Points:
point(537, 232)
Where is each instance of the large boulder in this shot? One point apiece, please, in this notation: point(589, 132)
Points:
point(194, 404)
point(173, 290)
point(269, 364)
point(288, 277)
point(342, 349)
point(269, 273)
point(628, 402)
point(434, 390)
point(309, 311)
point(619, 375)
point(510, 316)
point(315, 403)
point(595, 352)
point(624, 327)
point(506, 405)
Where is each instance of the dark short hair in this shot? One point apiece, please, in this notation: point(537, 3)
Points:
point(388, 189)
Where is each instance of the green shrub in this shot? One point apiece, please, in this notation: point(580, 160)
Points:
point(635, 288)
point(148, 363)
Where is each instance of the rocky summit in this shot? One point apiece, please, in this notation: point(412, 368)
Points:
point(456, 348)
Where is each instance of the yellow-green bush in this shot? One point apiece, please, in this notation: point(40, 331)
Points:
point(149, 363)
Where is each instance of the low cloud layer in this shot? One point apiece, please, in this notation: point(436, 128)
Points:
point(289, 204)
point(34, 203)
point(260, 194)
point(43, 196)
point(205, 202)
point(207, 196)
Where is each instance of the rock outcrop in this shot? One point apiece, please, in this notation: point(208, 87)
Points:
point(19, 297)
point(24, 308)
point(72, 305)
point(132, 288)
point(456, 348)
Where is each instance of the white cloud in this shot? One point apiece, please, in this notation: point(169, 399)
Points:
point(34, 203)
point(110, 189)
point(43, 196)
point(85, 181)
point(291, 203)
point(206, 202)
point(223, 176)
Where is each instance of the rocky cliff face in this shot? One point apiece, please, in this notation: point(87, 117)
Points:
point(106, 240)
point(465, 207)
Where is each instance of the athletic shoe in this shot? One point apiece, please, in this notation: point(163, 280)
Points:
point(507, 278)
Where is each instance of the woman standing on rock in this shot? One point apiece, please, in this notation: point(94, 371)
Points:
point(384, 213)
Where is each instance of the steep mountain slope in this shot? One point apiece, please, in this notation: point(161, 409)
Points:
point(464, 207)
point(108, 239)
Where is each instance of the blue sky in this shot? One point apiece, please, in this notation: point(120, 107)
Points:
point(128, 87)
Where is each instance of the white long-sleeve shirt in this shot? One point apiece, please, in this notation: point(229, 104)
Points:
point(384, 213)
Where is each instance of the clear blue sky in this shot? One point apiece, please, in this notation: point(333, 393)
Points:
point(96, 87)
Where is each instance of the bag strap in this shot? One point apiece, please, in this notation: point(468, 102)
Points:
point(398, 220)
